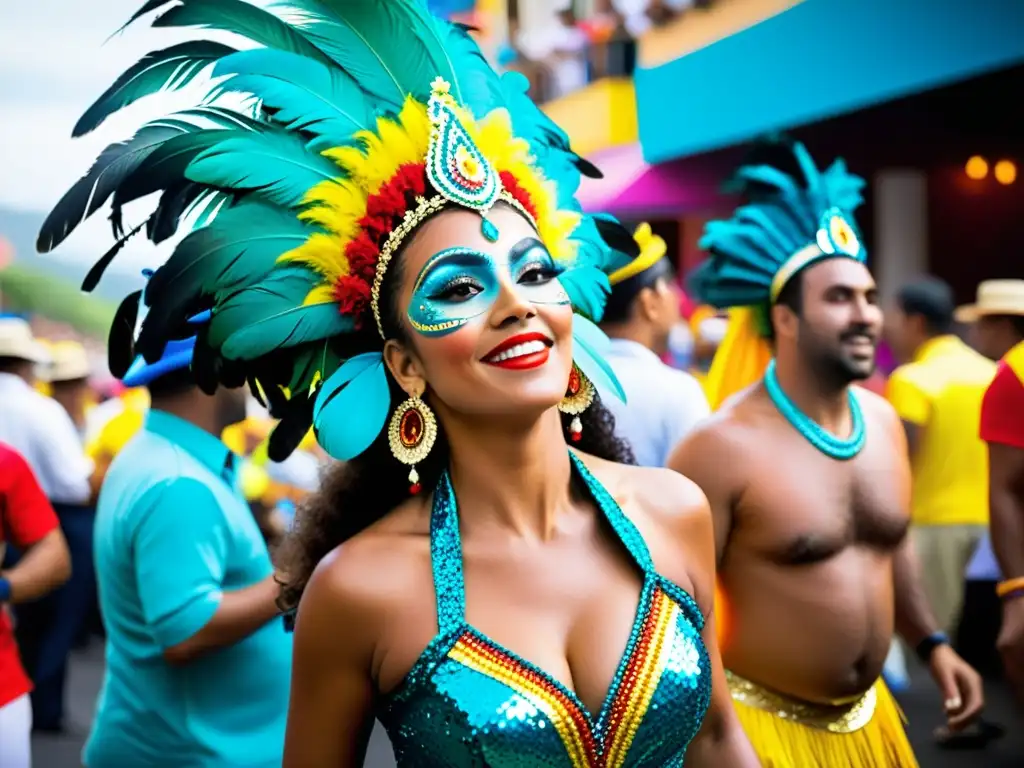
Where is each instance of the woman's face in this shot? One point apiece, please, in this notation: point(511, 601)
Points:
point(489, 323)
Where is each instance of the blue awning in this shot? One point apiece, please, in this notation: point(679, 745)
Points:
point(819, 59)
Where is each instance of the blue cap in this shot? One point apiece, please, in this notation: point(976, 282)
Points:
point(177, 355)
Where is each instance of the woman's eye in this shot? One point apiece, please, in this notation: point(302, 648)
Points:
point(459, 291)
point(537, 274)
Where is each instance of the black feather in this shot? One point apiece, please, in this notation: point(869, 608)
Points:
point(587, 168)
point(169, 210)
point(617, 237)
point(206, 363)
point(93, 278)
point(121, 340)
point(291, 429)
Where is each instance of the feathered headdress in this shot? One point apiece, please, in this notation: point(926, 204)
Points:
point(369, 117)
point(794, 216)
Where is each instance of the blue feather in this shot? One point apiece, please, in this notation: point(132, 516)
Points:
point(588, 290)
point(352, 407)
point(589, 344)
point(303, 94)
point(278, 165)
point(272, 323)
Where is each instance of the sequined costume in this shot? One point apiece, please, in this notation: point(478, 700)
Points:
point(468, 701)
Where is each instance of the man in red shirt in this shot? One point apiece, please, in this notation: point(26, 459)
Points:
point(998, 318)
point(29, 523)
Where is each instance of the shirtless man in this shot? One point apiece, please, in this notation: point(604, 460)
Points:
point(811, 542)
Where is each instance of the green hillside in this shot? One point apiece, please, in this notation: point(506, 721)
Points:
point(32, 291)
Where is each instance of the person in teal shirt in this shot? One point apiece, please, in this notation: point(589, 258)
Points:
point(198, 661)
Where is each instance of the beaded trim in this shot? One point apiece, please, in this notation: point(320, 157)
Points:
point(837, 718)
point(425, 208)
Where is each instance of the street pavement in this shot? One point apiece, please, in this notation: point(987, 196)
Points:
point(921, 704)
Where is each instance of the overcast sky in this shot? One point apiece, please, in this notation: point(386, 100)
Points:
point(55, 59)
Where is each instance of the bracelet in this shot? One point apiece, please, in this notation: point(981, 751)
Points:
point(5, 590)
point(927, 647)
point(1004, 588)
point(1012, 595)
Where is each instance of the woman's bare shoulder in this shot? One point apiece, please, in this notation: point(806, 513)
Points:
point(371, 574)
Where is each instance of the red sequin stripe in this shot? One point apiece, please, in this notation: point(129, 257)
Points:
point(527, 680)
point(624, 697)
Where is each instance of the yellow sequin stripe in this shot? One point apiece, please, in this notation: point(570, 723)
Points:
point(648, 677)
point(791, 266)
point(545, 700)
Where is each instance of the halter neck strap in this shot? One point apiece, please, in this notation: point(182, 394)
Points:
point(446, 544)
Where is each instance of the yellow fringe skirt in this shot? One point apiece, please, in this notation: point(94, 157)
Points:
point(787, 733)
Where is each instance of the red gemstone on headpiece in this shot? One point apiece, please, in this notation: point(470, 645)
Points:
point(414, 488)
point(574, 381)
point(410, 429)
point(575, 436)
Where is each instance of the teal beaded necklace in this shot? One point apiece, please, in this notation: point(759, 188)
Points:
point(824, 441)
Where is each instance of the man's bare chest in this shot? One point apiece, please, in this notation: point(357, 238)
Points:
point(801, 506)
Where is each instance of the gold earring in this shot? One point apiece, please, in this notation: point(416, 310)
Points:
point(579, 395)
point(411, 433)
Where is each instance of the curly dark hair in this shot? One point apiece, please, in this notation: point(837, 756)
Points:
point(355, 494)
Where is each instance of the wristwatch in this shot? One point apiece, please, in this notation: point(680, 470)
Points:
point(927, 647)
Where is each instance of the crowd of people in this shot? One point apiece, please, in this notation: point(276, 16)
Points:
point(522, 535)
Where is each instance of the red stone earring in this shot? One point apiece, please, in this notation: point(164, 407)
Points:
point(579, 395)
point(411, 434)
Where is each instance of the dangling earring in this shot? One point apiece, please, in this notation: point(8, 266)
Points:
point(578, 397)
point(411, 433)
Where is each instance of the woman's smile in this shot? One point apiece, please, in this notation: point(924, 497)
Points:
point(520, 352)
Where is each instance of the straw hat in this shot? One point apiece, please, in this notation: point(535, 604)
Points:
point(995, 297)
point(16, 341)
point(68, 362)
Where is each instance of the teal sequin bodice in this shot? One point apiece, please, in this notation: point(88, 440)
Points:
point(471, 702)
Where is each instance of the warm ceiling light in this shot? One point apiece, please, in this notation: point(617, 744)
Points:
point(976, 168)
point(1005, 172)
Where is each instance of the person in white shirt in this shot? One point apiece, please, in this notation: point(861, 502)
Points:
point(35, 425)
point(662, 404)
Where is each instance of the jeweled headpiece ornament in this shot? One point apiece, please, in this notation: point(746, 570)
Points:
point(795, 216)
point(367, 118)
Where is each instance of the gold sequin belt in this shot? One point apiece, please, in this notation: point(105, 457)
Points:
point(841, 717)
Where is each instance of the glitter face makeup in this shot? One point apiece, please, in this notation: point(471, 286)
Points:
point(460, 284)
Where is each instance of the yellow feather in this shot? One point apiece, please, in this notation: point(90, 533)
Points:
point(322, 294)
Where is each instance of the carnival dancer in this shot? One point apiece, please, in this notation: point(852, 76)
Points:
point(808, 482)
point(396, 259)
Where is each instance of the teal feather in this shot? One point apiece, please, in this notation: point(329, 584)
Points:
point(115, 163)
point(589, 347)
point(241, 18)
point(271, 315)
point(352, 407)
point(362, 37)
point(303, 94)
point(278, 165)
point(167, 70)
point(782, 215)
point(240, 247)
point(588, 290)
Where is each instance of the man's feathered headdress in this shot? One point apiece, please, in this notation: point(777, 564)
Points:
point(794, 215)
point(369, 117)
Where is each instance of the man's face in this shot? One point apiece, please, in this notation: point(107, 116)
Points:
point(230, 406)
point(840, 322)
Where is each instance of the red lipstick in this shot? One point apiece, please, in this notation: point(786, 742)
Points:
point(520, 352)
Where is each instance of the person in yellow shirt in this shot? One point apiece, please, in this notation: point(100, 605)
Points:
point(937, 392)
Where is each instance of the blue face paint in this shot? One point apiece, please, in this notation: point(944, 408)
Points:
point(459, 284)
